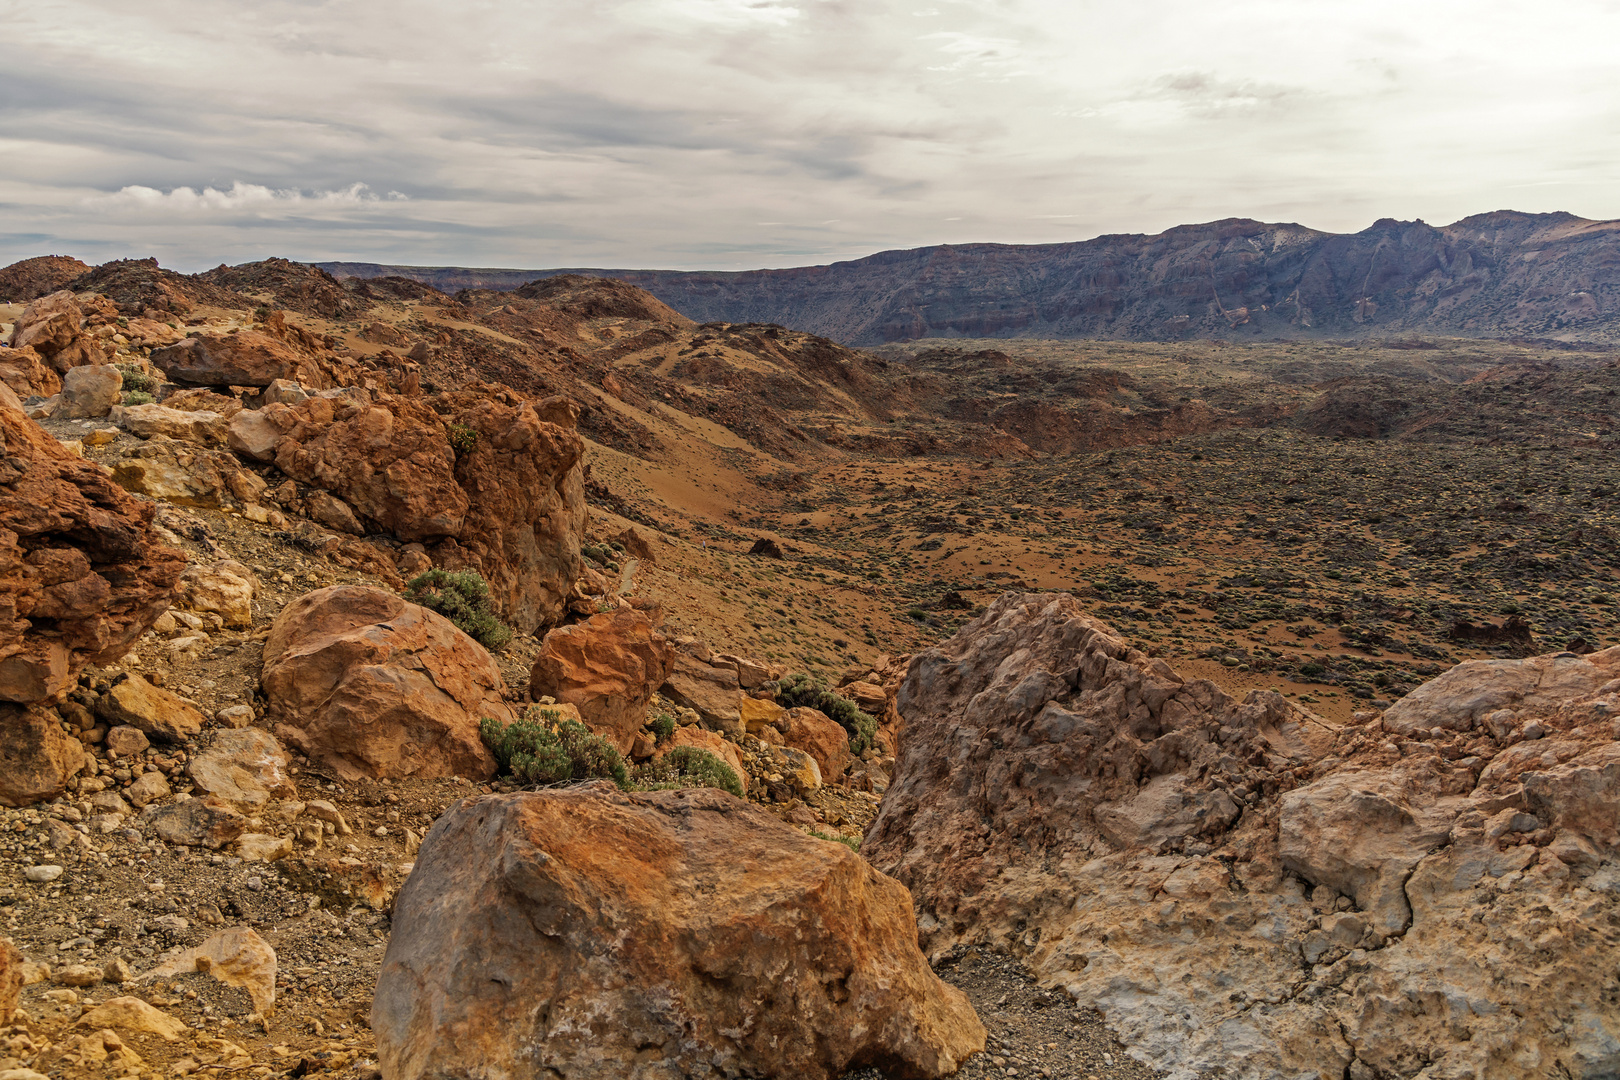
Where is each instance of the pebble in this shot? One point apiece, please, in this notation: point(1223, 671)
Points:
point(42, 873)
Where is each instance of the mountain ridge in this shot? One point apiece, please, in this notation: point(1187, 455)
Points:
point(1503, 273)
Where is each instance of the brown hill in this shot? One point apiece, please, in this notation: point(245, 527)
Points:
point(33, 278)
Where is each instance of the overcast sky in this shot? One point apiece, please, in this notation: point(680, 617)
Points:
point(734, 134)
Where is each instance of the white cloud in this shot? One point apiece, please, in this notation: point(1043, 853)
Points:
point(239, 197)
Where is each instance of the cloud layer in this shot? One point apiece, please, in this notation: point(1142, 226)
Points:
point(744, 133)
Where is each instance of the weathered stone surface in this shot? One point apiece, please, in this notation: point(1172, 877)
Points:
point(27, 374)
point(198, 427)
point(245, 767)
point(208, 822)
point(245, 358)
point(226, 589)
point(50, 326)
point(159, 713)
point(251, 434)
point(608, 667)
point(759, 713)
point(703, 739)
point(236, 957)
point(711, 691)
point(37, 759)
point(149, 787)
point(1371, 910)
point(131, 1014)
point(90, 390)
point(187, 475)
point(334, 513)
point(820, 736)
point(11, 961)
point(82, 574)
point(368, 685)
point(1459, 699)
point(670, 934)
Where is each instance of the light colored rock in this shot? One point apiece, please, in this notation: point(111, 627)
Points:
point(149, 787)
point(608, 667)
point(245, 767)
point(1458, 699)
point(208, 822)
point(131, 1014)
point(42, 874)
point(794, 959)
point(182, 425)
point(253, 435)
point(79, 975)
point(262, 847)
point(125, 741)
point(162, 715)
point(90, 390)
point(799, 770)
point(368, 685)
point(283, 392)
point(236, 957)
point(227, 589)
point(751, 674)
point(187, 475)
point(758, 714)
point(235, 716)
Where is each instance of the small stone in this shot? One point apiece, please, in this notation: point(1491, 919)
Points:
point(79, 975)
point(126, 740)
point(235, 716)
point(42, 873)
point(117, 971)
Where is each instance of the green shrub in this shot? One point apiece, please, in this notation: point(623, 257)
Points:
point(462, 438)
point(544, 747)
point(687, 767)
point(462, 596)
point(801, 690)
point(663, 726)
point(138, 397)
point(849, 842)
point(135, 380)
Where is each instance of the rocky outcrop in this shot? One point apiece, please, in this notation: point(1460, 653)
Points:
point(187, 474)
point(1241, 888)
point(52, 327)
point(27, 374)
point(368, 685)
point(32, 278)
point(608, 667)
point(507, 500)
point(82, 574)
point(244, 358)
point(588, 934)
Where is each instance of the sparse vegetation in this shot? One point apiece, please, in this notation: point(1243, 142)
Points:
point(544, 747)
point(803, 690)
point(687, 767)
point(137, 397)
point(462, 596)
point(136, 381)
point(462, 438)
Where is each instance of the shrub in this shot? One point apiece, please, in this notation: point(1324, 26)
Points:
point(544, 747)
point(135, 380)
point(801, 690)
point(849, 842)
point(462, 596)
point(663, 726)
point(462, 438)
point(138, 397)
point(687, 767)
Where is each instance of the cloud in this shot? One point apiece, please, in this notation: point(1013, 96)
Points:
point(238, 198)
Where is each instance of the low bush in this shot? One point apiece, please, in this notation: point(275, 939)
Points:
point(802, 691)
point(135, 380)
point(462, 596)
point(687, 767)
point(544, 747)
point(138, 397)
point(663, 726)
point(849, 842)
point(462, 438)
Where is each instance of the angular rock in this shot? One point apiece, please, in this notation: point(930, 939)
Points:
point(244, 767)
point(793, 958)
point(187, 475)
point(253, 435)
point(182, 425)
point(131, 1014)
point(37, 759)
point(710, 691)
point(334, 513)
point(27, 374)
point(608, 667)
point(368, 685)
point(1459, 699)
point(162, 715)
point(236, 957)
point(50, 326)
point(226, 589)
point(760, 713)
point(245, 358)
point(820, 736)
point(82, 575)
point(149, 787)
point(209, 823)
point(262, 847)
point(90, 390)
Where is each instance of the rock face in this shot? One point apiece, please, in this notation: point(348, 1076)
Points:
point(245, 358)
point(186, 474)
point(90, 390)
point(51, 327)
point(37, 759)
point(608, 667)
point(82, 574)
point(371, 686)
point(1246, 891)
point(588, 934)
point(510, 503)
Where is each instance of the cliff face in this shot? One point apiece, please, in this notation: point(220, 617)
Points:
point(1504, 273)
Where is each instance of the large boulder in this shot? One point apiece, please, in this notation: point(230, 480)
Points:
point(245, 358)
point(711, 692)
point(1243, 889)
point(187, 475)
point(367, 685)
point(51, 326)
point(27, 374)
point(507, 500)
point(201, 427)
point(37, 758)
point(608, 667)
point(82, 574)
point(90, 390)
point(820, 736)
point(245, 767)
point(588, 934)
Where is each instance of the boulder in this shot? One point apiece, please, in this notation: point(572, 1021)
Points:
point(703, 739)
point(51, 326)
point(82, 574)
point(208, 822)
point(147, 788)
point(27, 374)
point(760, 713)
point(198, 427)
point(368, 685)
point(751, 674)
point(589, 933)
point(37, 758)
point(90, 390)
point(608, 667)
point(334, 513)
point(710, 691)
point(132, 1015)
point(251, 434)
point(235, 956)
point(820, 736)
point(187, 475)
point(245, 358)
point(244, 767)
point(162, 715)
point(1459, 699)
point(226, 589)
point(1243, 889)
point(509, 503)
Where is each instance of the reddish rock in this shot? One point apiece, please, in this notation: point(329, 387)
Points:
point(33, 278)
point(608, 666)
point(245, 358)
point(367, 685)
point(82, 574)
point(710, 691)
point(588, 933)
point(26, 373)
point(51, 326)
point(162, 715)
point(11, 980)
point(820, 736)
point(37, 758)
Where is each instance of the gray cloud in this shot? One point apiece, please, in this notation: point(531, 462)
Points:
point(740, 133)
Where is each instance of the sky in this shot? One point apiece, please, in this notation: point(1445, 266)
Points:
point(736, 134)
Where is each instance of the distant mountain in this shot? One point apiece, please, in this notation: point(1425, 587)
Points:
point(1492, 275)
